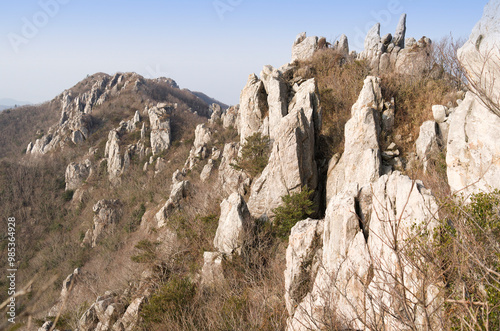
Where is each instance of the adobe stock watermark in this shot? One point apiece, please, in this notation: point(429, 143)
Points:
point(11, 269)
point(224, 6)
point(155, 72)
point(385, 16)
point(31, 26)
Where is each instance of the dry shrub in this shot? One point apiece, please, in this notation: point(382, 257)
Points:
point(21, 125)
point(414, 97)
point(339, 82)
point(250, 298)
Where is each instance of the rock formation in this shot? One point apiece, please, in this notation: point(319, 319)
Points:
point(233, 222)
point(395, 52)
point(304, 47)
point(160, 129)
point(473, 152)
point(291, 164)
point(107, 214)
point(361, 161)
point(77, 173)
point(352, 256)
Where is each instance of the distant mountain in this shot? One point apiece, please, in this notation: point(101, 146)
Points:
point(209, 100)
point(6, 103)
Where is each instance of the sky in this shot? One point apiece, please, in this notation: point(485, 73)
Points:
point(210, 46)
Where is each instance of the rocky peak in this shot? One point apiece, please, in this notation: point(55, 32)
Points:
point(394, 52)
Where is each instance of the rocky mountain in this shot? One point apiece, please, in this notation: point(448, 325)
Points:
point(169, 213)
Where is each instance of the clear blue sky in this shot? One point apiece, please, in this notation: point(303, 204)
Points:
point(209, 46)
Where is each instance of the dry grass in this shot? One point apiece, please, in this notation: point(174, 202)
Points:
point(413, 99)
point(339, 82)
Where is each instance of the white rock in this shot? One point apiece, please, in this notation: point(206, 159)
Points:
point(440, 113)
point(207, 170)
point(399, 36)
point(277, 97)
point(229, 118)
point(304, 47)
point(427, 142)
point(342, 45)
point(303, 245)
point(160, 130)
point(291, 163)
point(231, 179)
point(253, 108)
point(372, 40)
point(106, 215)
point(361, 160)
point(77, 173)
point(212, 272)
point(473, 152)
point(233, 222)
point(112, 152)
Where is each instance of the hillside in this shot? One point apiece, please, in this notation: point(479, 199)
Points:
point(344, 191)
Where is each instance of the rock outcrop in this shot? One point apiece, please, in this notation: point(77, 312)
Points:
point(390, 53)
point(253, 109)
point(77, 173)
point(231, 179)
point(212, 272)
point(160, 128)
point(180, 189)
point(302, 260)
point(473, 152)
point(304, 47)
point(233, 222)
point(361, 161)
point(106, 214)
point(428, 142)
point(292, 163)
point(352, 272)
point(200, 150)
point(76, 124)
point(110, 312)
point(357, 280)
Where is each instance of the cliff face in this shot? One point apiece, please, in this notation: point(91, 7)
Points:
point(141, 159)
point(473, 153)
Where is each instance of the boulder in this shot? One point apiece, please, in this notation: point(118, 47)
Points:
point(77, 173)
point(233, 222)
point(106, 214)
point(304, 47)
point(212, 273)
point(440, 113)
point(427, 143)
point(253, 108)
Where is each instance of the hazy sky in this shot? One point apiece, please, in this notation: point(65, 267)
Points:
point(209, 46)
